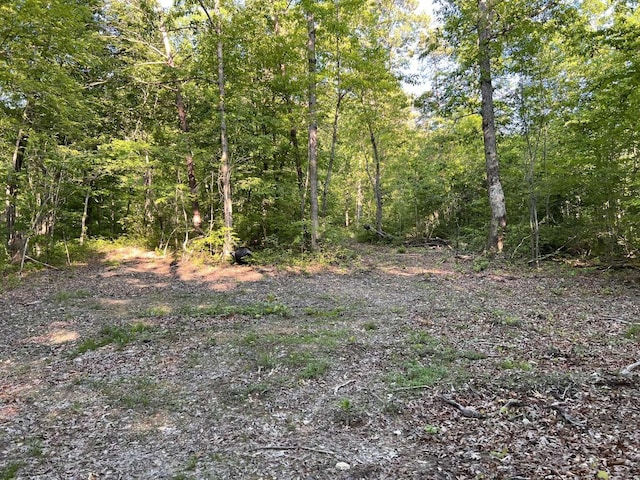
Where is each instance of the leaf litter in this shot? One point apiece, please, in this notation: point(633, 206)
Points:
point(389, 365)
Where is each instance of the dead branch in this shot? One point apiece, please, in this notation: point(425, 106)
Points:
point(513, 403)
point(568, 418)
point(41, 263)
point(338, 387)
point(294, 447)
point(412, 387)
point(465, 412)
point(380, 233)
point(626, 371)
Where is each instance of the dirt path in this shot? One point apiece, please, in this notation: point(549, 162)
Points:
point(390, 366)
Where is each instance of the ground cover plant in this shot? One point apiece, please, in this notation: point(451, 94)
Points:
point(392, 364)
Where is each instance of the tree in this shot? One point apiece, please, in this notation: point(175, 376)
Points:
point(184, 127)
point(313, 129)
point(224, 176)
point(494, 187)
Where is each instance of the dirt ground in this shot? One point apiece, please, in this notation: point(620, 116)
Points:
point(383, 365)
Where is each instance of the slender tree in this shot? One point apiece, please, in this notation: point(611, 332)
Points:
point(225, 160)
point(313, 129)
point(224, 175)
point(494, 186)
point(184, 127)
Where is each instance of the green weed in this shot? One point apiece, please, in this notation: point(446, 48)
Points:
point(10, 471)
point(370, 326)
point(266, 361)
point(155, 312)
point(346, 405)
point(192, 463)
point(256, 310)
point(510, 364)
point(431, 429)
point(472, 355)
point(503, 318)
point(480, 264)
point(319, 313)
point(415, 374)
point(66, 295)
point(324, 338)
point(633, 332)
point(314, 368)
point(347, 414)
point(119, 336)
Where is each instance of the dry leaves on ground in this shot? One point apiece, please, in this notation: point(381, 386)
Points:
point(387, 366)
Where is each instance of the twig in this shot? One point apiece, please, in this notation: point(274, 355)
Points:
point(412, 387)
point(626, 371)
point(465, 412)
point(553, 254)
point(569, 418)
point(512, 403)
point(338, 387)
point(293, 447)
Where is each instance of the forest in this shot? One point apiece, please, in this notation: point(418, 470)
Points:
point(496, 126)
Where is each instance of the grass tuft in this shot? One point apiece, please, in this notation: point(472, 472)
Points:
point(117, 335)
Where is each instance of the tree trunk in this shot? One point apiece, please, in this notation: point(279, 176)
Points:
point(225, 160)
point(494, 187)
point(359, 202)
point(332, 155)
point(336, 116)
point(85, 214)
point(293, 136)
point(14, 238)
point(376, 179)
point(313, 131)
point(184, 127)
point(534, 224)
point(148, 195)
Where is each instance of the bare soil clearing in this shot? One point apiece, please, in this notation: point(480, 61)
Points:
point(387, 366)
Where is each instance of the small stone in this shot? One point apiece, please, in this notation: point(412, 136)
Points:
point(343, 466)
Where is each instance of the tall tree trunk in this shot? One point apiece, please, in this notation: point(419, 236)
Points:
point(336, 115)
point(313, 131)
point(224, 174)
point(14, 238)
point(225, 160)
point(184, 127)
point(494, 187)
